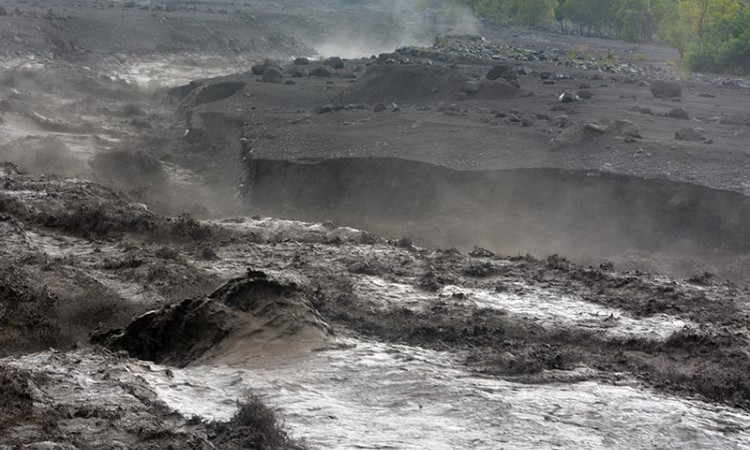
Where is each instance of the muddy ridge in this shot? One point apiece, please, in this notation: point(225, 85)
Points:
point(514, 211)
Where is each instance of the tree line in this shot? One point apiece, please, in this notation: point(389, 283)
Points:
point(711, 35)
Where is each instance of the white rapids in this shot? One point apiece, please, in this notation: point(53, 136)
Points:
point(372, 395)
point(548, 308)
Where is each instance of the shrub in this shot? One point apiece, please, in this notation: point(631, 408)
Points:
point(254, 426)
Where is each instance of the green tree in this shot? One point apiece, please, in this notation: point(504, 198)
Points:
point(560, 14)
point(724, 40)
point(534, 12)
point(693, 26)
point(591, 16)
point(495, 10)
point(633, 20)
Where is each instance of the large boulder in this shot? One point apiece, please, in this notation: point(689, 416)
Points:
point(272, 75)
point(504, 71)
point(321, 71)
point(334, 62)
point(298, 72)
point(627, 128)
point(690, 134)
point(258, 69)
point(247, 317)
point(679, 113)
point(666, 89)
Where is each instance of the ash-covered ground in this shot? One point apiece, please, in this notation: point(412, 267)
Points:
point(227, 225)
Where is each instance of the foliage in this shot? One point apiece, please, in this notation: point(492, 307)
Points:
point(254, 426)
point(711, 35)
point(724, 46)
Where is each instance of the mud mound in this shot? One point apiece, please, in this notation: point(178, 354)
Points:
point(405, 83)
point(246, 317)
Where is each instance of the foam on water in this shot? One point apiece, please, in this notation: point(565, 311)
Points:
point(546, 307)
point(373, 395)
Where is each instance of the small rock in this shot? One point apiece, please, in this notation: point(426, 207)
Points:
point(560, 121)
point(690, 134)
point(666, 89)
point(596, 126)
point(679, 113)
point(524, 70)
point(528, 121)
point(379, 107)
point(271, 75)
point(3, 12)
point(585, 94)
point(568, 97)
point(642, 110)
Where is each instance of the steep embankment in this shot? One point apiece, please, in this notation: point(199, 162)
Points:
point(584, 214)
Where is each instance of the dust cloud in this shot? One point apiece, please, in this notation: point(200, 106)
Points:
point(401, 23)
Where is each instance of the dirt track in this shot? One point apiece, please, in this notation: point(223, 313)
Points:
point(363, 337)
